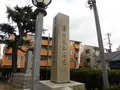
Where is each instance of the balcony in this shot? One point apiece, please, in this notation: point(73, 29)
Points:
point(45, 42)
point(45, 63)
point(76, 46)
point(72, 64)
point(50, 53)
point(8, 51)
point(50, 43)
point(44, 52)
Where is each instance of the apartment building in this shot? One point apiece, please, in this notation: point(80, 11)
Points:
point(45, 56)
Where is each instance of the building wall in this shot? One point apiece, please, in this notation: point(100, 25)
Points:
point(88, 55)
point(7, 58)
point(74, 51)
point(74, 48)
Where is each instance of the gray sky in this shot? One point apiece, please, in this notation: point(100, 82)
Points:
point(82, 25)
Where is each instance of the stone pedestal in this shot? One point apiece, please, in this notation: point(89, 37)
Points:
point(48, 85)
point(21, 81)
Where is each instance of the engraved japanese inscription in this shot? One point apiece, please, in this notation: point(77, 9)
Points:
point(64, 47)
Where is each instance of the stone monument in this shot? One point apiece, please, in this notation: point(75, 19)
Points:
point(60, 70)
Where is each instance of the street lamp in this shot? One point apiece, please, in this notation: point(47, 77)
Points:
point(92, 5)
point(39, 3)
point(40, 12)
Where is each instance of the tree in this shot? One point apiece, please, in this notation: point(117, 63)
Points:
point(24, 19)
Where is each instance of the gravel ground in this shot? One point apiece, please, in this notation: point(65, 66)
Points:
point(4, 86)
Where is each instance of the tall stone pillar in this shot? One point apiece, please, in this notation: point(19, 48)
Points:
point(60, 72)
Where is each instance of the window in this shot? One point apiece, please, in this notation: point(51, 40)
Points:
point(88, 59)
point(76, 59)
point(50, 58)
point(71, 59)
point(71, 51)
point(77, 51)
point(44, 47)
point(9, 57)
point(50, 48)
point(21, 57)
point(87, 51)
point(32, 37)
point(44, 57)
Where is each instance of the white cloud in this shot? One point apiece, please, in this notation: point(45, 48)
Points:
point(82, 25)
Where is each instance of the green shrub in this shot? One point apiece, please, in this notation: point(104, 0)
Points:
point(115, 87)
point(91, 77)
point(45, 73)
point(114, 77)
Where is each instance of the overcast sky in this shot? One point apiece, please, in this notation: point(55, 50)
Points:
point(82, 25)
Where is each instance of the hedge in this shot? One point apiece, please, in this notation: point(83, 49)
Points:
point(91, 77)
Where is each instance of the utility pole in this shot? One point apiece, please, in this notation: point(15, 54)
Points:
point(92, 5)
point(109, 42)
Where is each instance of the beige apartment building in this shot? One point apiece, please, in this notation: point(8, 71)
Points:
point(89, 55)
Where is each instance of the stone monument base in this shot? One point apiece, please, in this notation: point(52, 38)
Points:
point(21, 81)
point(48, 85)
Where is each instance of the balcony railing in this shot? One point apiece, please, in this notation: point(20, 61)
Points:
point(44, 52)
point(45, 42)
point(45, 63)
